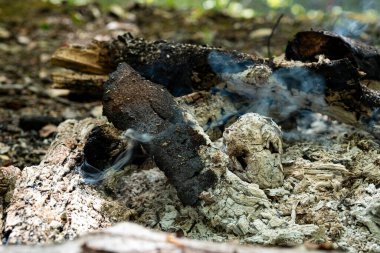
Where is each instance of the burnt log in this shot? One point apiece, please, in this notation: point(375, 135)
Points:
point(307, 45)
point(352, 83)
point(181, 68)
point(341, 81)
point(132, 102)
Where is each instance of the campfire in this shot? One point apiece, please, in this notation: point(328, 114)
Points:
point(215, 144)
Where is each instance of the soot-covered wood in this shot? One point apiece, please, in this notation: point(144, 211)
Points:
point(307, 45)
point(131, 102)
point(182, 68)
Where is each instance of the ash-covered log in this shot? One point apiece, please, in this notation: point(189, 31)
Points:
point(132, 102)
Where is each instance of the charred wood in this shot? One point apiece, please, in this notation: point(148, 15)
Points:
point(307, 45)
point(131, 102)
point(182, 68)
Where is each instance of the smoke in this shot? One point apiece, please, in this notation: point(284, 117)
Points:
point(349, 27)
point(280, 95)
point(93, 175)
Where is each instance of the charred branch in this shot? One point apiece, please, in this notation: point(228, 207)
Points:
point(131, 102)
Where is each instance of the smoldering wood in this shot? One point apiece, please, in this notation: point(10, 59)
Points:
point(131, 102)
point(307, 45)
point(184, 68)
point(181, 68)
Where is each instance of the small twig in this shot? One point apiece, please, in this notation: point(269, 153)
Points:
point(272, 32)
point(293, 214)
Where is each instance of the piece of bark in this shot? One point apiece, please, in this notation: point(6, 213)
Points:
point(128, 237)
point(131, 102)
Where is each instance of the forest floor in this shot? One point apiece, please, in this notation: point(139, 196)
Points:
point(30, 109)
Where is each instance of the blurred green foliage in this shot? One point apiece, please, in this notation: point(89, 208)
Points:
point(250, 8)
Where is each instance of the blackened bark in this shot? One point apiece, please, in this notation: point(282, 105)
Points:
point(307, 45)
point(131, 102)
point(181, 68)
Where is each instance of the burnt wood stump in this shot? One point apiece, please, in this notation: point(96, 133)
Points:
point(132, 102)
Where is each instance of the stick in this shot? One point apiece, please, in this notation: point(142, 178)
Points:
point(272, 32)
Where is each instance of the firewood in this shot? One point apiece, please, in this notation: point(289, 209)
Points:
point(83, 59)
point(339, 82)
point(307, 45)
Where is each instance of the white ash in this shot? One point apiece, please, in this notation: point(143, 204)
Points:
point(317, 201)
point(246, 82)
point(210, 111)
point(254, 144)
point(329, 194)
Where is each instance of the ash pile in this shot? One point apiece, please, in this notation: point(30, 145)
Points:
point(217, 145)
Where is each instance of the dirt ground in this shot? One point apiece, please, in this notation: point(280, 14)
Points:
point(30, 110)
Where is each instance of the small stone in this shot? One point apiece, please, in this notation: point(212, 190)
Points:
point(4, 148)
point(24, 40)
point(4, 33)
point(276, 222)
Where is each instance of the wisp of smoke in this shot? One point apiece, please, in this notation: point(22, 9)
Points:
point(93, 175)
point(286, 91)
point(349, 27)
